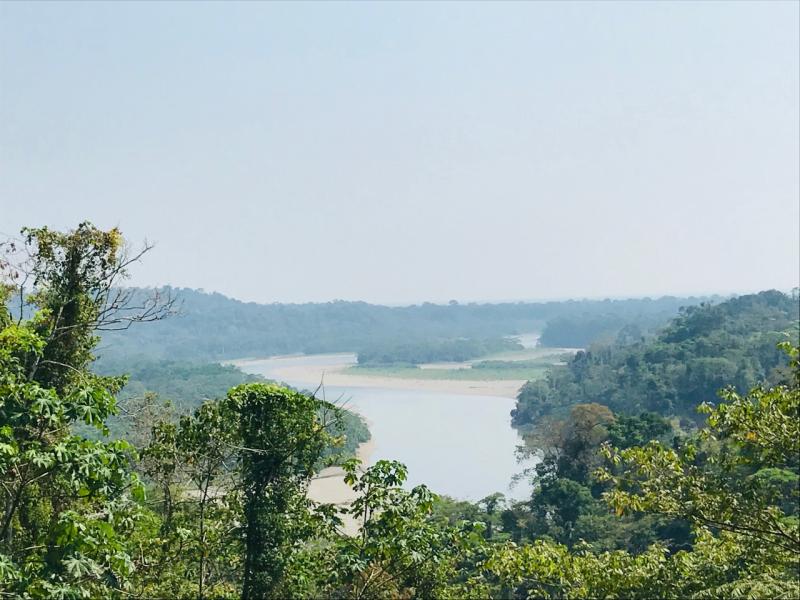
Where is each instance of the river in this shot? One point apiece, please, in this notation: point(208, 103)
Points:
point(460, 445)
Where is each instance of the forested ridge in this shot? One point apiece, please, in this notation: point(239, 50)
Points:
point(705, 348)
point(631, 497)
point(210, 326)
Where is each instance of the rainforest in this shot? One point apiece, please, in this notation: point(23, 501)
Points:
point(663, 462)
point(379, 300)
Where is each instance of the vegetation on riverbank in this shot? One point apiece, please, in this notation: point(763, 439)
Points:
point(429, 351)
point(175, 388)
point(518, 373)
point(212, 327)
point(626, 502)
point(702, 350)
point(505, 364)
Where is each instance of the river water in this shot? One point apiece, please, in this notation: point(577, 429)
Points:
point(460, 445)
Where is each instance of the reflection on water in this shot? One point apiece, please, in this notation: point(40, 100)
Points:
point(459, 445)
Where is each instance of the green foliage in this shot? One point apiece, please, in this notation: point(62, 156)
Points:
point(637, 430)
point(212, 327)
point(545, 361)
point(566, 504)
point(718, 567)
point(400, 551)
point(72, 273)
point(580, 331)
point(519, 365)
point(623, 322)
point(191, 469)
point(732, 477)
point(704, 349)
point(281, 439)
point(452, 350)
point(185, 384)
point(226, 512)
point(68, 502)
point(229, 482)
point(350, 431)
point(730, 483)
point(183, 387)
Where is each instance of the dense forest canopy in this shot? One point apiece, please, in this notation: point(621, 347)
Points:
point(185, 384)
point(627, 502)
point(703, 349)
point(171, 389)
point(458, 350)
point(580, 330)
point(214, 327)
point(633, 394)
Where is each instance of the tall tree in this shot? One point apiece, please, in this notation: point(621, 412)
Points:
point(75, 277)
point(66, 500)
point(282, 436)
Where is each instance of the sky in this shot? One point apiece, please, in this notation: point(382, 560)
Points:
point(401, 152)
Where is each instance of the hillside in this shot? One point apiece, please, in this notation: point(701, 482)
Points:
point(215, 327)
point(705, 348)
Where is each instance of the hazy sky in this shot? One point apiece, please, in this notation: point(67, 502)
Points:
point(411, 151)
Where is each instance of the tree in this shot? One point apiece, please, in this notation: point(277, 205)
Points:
point(205, 443)
point(492, 504)
point(732, 478)
point(75, 278)
point(66, 500)
point(725, 479)
point(191, 465)
point(281, 438)
point(637, 430)
point(400, 551)
point(700, 351)
point(730, 482)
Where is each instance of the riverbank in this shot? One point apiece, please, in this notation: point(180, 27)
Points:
point(440, 429)
point(334, 373)
point(328, 487)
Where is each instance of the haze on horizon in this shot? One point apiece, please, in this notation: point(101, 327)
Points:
point(403, 152)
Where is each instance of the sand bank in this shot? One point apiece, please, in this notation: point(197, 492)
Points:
point(335, 375)
point(329, 488)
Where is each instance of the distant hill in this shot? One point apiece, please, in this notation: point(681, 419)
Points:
point(702, 350)
point(214, 327)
